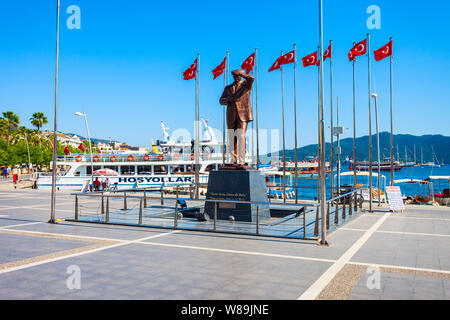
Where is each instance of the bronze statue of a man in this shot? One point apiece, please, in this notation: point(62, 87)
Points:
point(239, 113)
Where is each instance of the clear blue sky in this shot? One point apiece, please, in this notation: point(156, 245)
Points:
point(124, 67)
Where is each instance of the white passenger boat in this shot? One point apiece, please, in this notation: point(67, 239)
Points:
point(171, 162)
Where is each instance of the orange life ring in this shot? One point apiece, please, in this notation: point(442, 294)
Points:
point(192, 156)
point(113, 158)
point(79, 158)
point(96, 158)
point(146, 157)
point(130, 158)
point(176, 156)
point(160, 157)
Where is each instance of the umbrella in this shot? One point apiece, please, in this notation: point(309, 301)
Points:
point(105, 172)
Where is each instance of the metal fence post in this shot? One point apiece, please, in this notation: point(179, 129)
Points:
point(355, 198)
point(107, 210)
point(343, 211)
point(336, 214)
point(304, 222)
point(175, 218)
point(76, 208)
point(316, 224)
point(328, 215)
point(361, 197)
point(162, 197)
point(350, 206)
point(215, 215)
point(257, 219)
point(140, 213)
point(145, 199)
point(124, 201)
point(103, 204)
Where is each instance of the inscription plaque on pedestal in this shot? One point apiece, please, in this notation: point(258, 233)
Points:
point(237, 185)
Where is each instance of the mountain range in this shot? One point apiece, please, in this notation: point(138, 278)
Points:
point(431, 146)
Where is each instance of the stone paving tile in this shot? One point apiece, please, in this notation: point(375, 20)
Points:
point(416, 226)
point(405, 250)
point(363, 222)
point(168, 275)
point(95, 230)
point(21, 247)
point(399, 286)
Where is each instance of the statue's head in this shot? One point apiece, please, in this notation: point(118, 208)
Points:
point(237, 75)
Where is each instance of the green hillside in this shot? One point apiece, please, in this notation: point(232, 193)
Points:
point(440, 144)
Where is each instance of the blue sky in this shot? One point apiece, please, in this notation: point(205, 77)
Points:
point(124, 67)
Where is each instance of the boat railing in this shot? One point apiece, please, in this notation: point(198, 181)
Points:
point(122, 158)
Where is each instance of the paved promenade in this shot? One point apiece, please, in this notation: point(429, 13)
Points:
point(382, 255)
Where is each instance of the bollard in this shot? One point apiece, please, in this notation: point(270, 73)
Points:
point(316, 224)
point(215, 215)
point(343, 211)
point(336, 214)
point(257, 220)
point(107, 210)
point(328, 216)
point(76, 208)
point(124, 201)
point(140, 213)
point(145, 199)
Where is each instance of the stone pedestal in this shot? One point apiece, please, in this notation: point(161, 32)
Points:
point(238, 185)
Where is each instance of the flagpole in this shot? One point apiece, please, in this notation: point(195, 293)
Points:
point(354, 122)
point(338, 183)
point(197, 129)
point(295, 123)
point(322, 132)
point(318, 128)
point(256, 108)
point(392, 130)
point(370, 124)
point(284, 146)
point(225, 83)
point(55, 138)
point(331, 116)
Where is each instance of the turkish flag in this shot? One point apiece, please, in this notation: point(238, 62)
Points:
point(310, 60)
point(249, 63)
point(219, 69)
point(383, 52)
point(277, 64)
point(67, 151)
point(288, 58)
point(190, 73)
point(328, 53)
point(81, 147)
point(358, 50)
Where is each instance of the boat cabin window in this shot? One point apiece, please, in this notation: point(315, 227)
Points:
point(191, 167)
point(160, 170)
point(127, 170)
point(89, 169)
point(177, 169)
point(114, 168)
point(210, 167)
point(144, 170)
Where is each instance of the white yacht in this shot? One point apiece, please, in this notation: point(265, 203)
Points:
point(170, 163)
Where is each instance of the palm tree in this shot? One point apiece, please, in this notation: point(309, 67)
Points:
point(38, 120)
point(11, 120)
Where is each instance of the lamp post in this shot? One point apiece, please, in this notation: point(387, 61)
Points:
point(89, 139)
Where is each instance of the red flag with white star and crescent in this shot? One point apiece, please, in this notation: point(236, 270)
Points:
point(219, 69)
point(358, 50)
point(328, 52)
point(310, 60)
point(190, 73)
point(276, 65)
point(288, 58)
point(384, 52)
point(249, 63)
